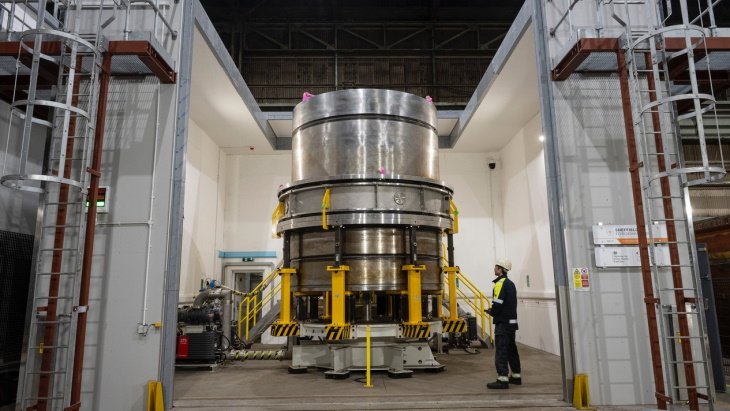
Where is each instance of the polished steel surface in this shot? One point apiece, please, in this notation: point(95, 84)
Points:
point(376, 153)
point(366, 200)
point(333, 180)
point(364, 101)
point(375, 256)
point(364, 146)
point(363, 131)
point(372, 274)
point(365, 218)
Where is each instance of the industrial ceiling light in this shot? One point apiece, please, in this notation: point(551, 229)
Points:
point(541, 138)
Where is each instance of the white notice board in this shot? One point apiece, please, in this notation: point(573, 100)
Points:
point(628, 256)
point(625, 234)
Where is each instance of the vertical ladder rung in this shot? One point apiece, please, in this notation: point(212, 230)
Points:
point(686, 387)
point(44, 250)
point(682, 337)
point(50, 347)
point(688, 362)
point(62, 226)
point(50, 322)
point(677, 289)
point(677, 313)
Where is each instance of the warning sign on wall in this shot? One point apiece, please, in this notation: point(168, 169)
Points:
point(581, 279)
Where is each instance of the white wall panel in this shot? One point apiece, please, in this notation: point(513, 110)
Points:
point(202, 226)
point(527, 236)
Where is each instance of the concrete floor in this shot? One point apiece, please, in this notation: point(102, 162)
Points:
point(267, 385)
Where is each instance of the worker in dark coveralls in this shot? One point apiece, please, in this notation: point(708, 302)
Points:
point(504, 315)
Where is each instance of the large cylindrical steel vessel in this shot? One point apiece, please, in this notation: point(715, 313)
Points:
point(369, 158)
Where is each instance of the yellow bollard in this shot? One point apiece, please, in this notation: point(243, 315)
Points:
point(367, 357)
point(581, 393)
point(154, 396)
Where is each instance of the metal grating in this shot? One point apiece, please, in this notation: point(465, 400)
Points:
point(129, 65)
point(15, 265)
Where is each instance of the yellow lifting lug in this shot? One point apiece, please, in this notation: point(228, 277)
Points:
point(455, 213)
point(275, 217)
point(325, 207)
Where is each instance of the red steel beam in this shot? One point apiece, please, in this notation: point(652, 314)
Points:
point(650, 300)
point(148, 55)
point(584, 47)
point(577, 55)
point(95, 176)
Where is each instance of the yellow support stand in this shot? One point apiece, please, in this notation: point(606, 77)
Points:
point(454, 324)
point(581, 393)
point(154, 396)
point(286, 275)
point(367, 358)
point(414, 292)
point(415, 327)
point(338, 329)
point(285, 327)
point(451, 281)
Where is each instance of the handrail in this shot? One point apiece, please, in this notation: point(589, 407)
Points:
point(252, 311)
point(250, 316)
point(476, 302)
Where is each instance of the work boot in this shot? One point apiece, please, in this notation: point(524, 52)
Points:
point(499, 384)
point(515, 380)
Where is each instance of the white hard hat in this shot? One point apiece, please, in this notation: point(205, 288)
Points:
point(504, 263)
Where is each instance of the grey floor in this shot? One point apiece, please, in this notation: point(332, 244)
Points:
point(266, 385)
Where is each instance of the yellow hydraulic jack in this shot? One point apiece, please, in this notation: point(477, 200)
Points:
point(338, 329)
point(452, 324)
point(285, 327)
point(415, 327)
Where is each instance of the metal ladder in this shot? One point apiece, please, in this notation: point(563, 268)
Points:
point(660, 181)
point(73, 60)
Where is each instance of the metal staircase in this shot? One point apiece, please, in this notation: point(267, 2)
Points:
point(660, 181)
point(263, 324)
point(252, 320)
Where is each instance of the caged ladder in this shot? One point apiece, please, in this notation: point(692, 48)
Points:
point(54, 109)
point(660, 181)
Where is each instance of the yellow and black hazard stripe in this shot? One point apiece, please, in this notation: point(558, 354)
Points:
point(453, 326)
point(337, 332)
point(284, 329)
point(416, 330)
